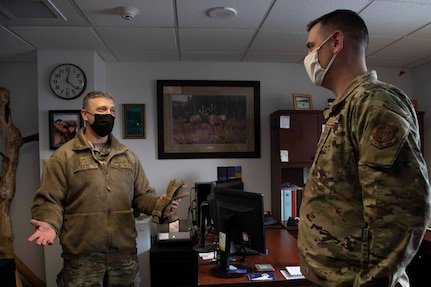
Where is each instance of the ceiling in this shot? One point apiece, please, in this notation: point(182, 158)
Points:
point(181, 30)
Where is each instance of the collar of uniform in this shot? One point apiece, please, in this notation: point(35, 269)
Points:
point(80, 143)
point(104, 150)
point(339, 102)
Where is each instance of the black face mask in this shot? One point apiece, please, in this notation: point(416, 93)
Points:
point(103, 124)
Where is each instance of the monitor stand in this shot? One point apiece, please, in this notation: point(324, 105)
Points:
point(223, 270)
point(203, 247)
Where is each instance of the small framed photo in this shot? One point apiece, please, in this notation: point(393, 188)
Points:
point(64, 125)
point(302, 102)
point(134, 121)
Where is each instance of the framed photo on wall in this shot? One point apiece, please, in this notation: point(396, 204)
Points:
point(208, 119)
point(134, 121)
point(302, 102)
point(63, 126)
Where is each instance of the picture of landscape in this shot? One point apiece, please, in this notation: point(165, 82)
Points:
point(208, 119)
point(200, 119)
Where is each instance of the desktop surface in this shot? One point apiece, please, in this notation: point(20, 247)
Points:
point(282, 252)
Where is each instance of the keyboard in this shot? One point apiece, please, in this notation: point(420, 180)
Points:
point(269, 220)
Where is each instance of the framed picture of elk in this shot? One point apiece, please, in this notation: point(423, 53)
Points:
point(208, 119)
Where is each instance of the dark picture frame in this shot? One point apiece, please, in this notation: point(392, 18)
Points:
point(208, 119)
point(134, 126)
point(63, 126)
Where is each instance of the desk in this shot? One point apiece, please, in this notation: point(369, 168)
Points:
point(282, 251)
point(418, 270)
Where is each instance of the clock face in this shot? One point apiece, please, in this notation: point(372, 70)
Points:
point(67, 81)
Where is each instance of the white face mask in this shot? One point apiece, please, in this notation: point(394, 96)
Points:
point(312, 65)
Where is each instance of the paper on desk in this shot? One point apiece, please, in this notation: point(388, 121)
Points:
point(206, 255)
point(261, 276)
point(294, 270)
point(290, 277)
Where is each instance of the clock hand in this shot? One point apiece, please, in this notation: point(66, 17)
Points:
point(78, 86)
point(75, 87)
point(67, 78)
point(67, 81)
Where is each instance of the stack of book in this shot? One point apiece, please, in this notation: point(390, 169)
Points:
point(291, 197)
point(292, 272)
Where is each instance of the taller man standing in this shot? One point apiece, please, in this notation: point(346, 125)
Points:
point(366, 203)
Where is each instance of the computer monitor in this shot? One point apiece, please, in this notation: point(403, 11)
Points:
point(203, 218)
point(233, 183)
point(238, 217)
point(203, 189)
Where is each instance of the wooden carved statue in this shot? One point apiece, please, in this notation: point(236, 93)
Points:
point(12, 143)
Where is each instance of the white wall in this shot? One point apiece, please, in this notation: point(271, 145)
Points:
point(136, 83)
point(422, 90)
point(47, 61)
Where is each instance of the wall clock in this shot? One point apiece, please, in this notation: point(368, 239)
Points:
point(67, 81)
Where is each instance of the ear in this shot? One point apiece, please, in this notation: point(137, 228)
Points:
point(84, 115)
point(338, 41)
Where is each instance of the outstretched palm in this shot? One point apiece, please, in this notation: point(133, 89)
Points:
point(44, 233)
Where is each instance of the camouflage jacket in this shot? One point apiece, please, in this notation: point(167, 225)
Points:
point(89, 202)
point(366, 203)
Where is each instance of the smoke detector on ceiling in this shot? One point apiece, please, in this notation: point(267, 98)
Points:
point(128, 13)
point(221, 13)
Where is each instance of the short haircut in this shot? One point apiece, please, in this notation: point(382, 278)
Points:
point(347, 21)
point(94, 95)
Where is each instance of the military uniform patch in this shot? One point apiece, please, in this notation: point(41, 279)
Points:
point(384, 136)
point(84, 160)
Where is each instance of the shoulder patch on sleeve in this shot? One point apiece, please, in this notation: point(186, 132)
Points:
point(383, 137)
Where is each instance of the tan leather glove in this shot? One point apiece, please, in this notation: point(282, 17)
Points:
point(170, 215)
point(162, 213)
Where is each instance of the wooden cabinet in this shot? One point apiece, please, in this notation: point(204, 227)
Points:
point(296, 138)
point(173, 264)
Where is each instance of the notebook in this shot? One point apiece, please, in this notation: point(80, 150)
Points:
point(292, 272)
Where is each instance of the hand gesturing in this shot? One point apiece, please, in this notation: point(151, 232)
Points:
point(44, 233)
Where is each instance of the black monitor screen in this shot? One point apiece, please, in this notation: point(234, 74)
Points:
point(203, 218)
point(233, 183)
point(203, 189)
point(238, 218)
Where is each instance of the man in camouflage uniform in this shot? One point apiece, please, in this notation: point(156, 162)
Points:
point(90, 187)
point(366, 203)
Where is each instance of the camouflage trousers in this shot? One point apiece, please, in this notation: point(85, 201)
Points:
point(116, 269)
